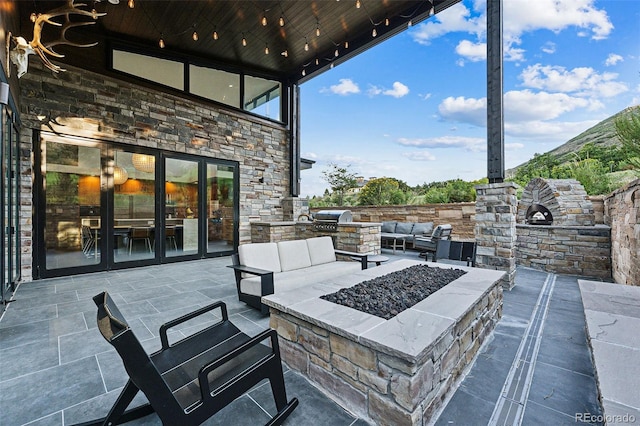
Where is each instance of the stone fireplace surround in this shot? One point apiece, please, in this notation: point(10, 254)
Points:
point(390, 372)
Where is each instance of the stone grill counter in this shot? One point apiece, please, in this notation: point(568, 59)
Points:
point(396, 371)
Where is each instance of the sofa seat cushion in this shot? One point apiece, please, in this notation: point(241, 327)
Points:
point(290, 280)
point(260, 255)
point(293, 255)
point(422, 228)
point(321, 250)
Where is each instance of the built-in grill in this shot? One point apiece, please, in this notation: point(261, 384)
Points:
point(328, 220)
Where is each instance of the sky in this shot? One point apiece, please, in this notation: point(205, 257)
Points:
point(414, 107)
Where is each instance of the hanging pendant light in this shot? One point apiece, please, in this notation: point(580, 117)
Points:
point(120, 175)
point(144, 163)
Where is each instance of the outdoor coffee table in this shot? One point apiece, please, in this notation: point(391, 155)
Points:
point(373, 258)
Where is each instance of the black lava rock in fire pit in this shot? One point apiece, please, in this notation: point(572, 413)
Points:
point(388, 295)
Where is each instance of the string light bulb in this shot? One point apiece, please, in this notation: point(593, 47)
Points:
point(318, 29)
point(215, 35)
point(386, 22)
point(281, 21)
point(317, 61)
point(358, 4)
point(304, 72)
point(161, 43)
point(374, 32)
point(264, 20)
point(285, 53)
point(131, 4)
point(346, 44)
point(194, 36)
point(306, 45)
point(266, 49)
point(336, 53)
point(244, 40)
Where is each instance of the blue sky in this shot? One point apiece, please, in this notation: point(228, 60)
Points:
point(414, 107)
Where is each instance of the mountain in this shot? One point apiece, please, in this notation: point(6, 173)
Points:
point(602, 134)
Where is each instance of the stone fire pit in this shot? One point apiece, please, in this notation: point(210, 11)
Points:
point(395, 371)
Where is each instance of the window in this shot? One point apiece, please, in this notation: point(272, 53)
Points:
point(162, 71)
point(262, 96)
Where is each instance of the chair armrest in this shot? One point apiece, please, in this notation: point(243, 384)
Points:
point(250, 270)
point(205, 370)
point(362, 256)
point(167, 325)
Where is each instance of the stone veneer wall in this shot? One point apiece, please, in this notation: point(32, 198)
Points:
point(353, 237)
point(623, 215)
point(575, 250)
point(495, 229)
point(108, 109)
point(382, 387)
point(459, 215)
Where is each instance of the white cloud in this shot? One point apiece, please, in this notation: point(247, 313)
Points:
point(345, 87)
point(419, 156)
point(613, 59)
point(519, 17)
point(425, 96)
point(468, 110)
point(472, 51)
point(549, 47)
point(399, 90)
point(470, 144)
point(582, 81)
point(525, 105)
point(513, 146)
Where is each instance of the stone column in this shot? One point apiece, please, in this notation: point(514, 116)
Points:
point(293, 207)
point(496, 208)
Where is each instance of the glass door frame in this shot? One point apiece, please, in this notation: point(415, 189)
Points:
point(107, 258)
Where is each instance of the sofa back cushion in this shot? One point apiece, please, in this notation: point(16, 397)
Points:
point(389, 227)
point(293, 255)
point(321, 250)
point(260, 255)
point(404, 228)
point(422, 228)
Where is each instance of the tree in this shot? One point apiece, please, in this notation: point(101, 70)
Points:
point(628, 131)
point(340, 179)
point(382, 191)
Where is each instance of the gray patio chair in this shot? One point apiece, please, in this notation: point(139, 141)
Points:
point(428, 245)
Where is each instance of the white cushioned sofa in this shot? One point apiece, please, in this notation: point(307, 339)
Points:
point(266, 268)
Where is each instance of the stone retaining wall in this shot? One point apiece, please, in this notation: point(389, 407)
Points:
point(575, 250)
point(461, 216)
point(623, 215)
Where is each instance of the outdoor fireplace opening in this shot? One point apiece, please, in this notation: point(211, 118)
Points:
point(537, 214)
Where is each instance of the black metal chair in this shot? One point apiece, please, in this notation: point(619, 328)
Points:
point(464, 251)
point(428, 245)
point(188, 381)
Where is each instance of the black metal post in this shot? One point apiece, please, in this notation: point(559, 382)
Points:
point(495, 113)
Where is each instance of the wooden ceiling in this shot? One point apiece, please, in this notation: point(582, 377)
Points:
point(344, 29)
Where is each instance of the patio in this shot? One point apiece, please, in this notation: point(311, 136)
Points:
point(55, 368)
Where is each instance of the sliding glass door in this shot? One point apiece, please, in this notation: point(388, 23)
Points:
point(99, 206)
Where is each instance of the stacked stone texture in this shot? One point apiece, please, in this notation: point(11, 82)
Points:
point(495, 229)
point(116, 111)
point(459, 215)
point(575, 250)
point(623, 214)
point(566, 199)
point(353, 237)
point(383, 387)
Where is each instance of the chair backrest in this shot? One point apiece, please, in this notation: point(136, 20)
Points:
point(442, 232)
point(140, 232)
point(141, 369)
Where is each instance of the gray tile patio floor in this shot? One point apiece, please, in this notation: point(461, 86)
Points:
point(55, 368)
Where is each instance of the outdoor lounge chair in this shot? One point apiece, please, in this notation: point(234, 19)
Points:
point(188, 381)
point(428, 245)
